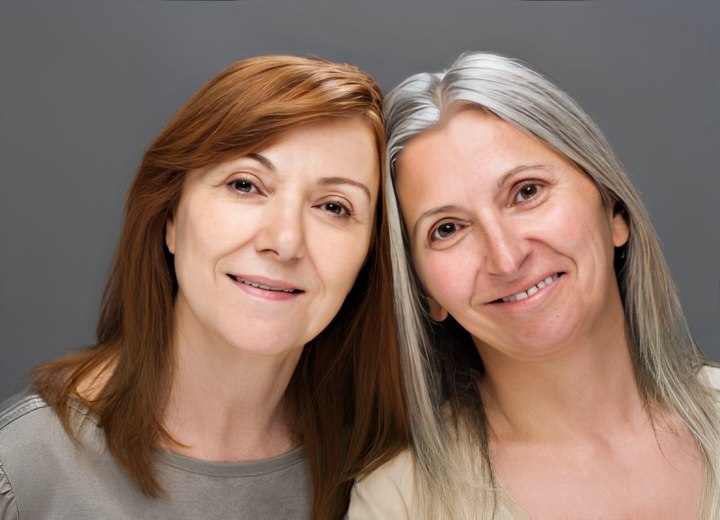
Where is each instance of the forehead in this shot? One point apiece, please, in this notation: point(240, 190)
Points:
point(472, 153)
point(468, 131)
point(473, 134)
point(350, 138)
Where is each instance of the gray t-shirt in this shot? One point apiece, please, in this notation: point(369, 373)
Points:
point(44, 475)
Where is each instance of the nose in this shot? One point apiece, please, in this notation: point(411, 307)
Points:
point(282, 233)
point(505, 249)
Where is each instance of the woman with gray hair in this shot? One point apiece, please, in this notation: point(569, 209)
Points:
point(548, 367)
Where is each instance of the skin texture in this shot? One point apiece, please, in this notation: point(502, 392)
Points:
point(285, 228)
point(512, 213)
point(296, 219)
point(491, 212)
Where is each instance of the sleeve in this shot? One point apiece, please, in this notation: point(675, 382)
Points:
point(8, 505)
point(384, 494)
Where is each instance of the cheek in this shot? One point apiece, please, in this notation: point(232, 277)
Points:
point(582, 233)
point(188, 242)
point(339, 260)
point(201, 236)
point(568, 229)
point(229, 223)
point(441, 278)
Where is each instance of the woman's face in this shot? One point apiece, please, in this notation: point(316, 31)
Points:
point(268, 245)
point(509, 237)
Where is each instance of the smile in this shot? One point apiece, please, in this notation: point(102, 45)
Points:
point(542, 284)
point(258, 285)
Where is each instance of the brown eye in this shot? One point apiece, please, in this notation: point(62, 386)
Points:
point(443, 231)
point(526, 192)
point(336, 208)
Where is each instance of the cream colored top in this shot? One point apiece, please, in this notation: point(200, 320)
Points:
point(387, 493)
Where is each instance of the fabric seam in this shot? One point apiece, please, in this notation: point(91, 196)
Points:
point(21, 408)
point(12, 489)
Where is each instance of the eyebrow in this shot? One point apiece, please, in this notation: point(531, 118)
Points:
point(267, 163)
point(505, 176)
point(334, 181)
point(324, 181)
point(518, 169)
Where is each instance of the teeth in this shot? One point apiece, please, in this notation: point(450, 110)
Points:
point(532, 290)
point(266, 287)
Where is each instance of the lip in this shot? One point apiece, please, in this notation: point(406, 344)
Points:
point(266, 288)
point(529, 291)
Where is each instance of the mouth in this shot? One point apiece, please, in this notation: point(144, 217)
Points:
point(265, 287)
point(542, 284)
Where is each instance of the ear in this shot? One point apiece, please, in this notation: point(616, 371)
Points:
point(620, 228)
point(170, 234)
point(437, 312)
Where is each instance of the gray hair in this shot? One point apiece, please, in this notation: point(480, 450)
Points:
point(665, 358)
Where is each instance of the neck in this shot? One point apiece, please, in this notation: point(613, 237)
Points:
point(226, 405)
point(587, 387)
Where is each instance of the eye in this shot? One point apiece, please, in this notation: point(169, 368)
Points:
point(336, 208)
point(243, 186)
point(443, 231)
point(527, 191)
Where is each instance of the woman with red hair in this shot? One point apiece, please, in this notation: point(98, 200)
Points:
point(246, 347)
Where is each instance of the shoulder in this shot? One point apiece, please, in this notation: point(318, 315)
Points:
point(27, 417)
point(22, 418)
point(18, 406)
point(18, 427)
point(37, 456)
point(385, 493)
point(710, 375)
point(29, 428)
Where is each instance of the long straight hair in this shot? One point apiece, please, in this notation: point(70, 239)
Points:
point(344, 399)
point(440, 363)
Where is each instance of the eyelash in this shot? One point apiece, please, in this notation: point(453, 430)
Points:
point(245, 180)
point(346, 210)
point(458, 226)
point(433, 231)
point(525, 184)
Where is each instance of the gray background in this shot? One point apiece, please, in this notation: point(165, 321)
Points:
point(84, 86)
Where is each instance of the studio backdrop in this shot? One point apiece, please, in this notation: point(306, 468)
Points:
point(84, 86)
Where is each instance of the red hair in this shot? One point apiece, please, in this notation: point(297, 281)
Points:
point(345, 398)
